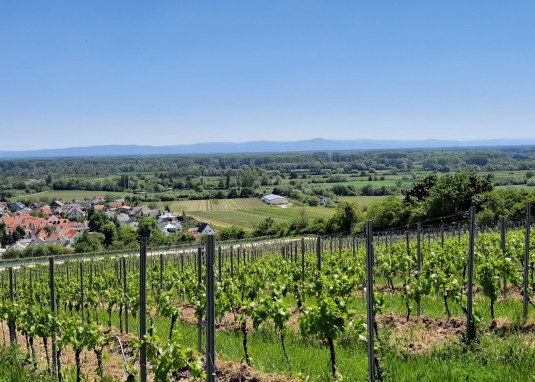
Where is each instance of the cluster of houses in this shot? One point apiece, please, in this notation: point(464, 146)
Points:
point(62, 223)
point(51, 228)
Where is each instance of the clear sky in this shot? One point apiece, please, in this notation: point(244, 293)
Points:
point(79, 73)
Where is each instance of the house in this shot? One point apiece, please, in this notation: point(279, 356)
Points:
point(124, 209)
point(34, 206)
point(97, 200)
point(17, 206)
point(166, 216)
point(53, 220)
point(75, 212)
point(117, 204)
point(20, 245)
point(56, 204)
point(99, 207)
point(205, 229)
point(46, 211)
point(3, 206)
point(202, 229)
point(122, 218)
point(274, 200)
point(323, 200)
point(144, 212)
point(168, 228)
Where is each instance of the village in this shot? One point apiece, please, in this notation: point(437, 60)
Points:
point(62, 223)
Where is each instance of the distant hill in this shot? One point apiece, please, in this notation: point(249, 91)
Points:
point(259, 147)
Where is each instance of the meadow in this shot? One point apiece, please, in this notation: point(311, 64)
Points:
point(246, 212)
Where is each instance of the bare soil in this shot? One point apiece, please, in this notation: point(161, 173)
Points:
point(420, 335)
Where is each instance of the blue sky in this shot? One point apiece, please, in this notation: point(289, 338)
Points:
point(79, 73)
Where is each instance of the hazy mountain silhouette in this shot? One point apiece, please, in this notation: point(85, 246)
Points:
point(259, 147)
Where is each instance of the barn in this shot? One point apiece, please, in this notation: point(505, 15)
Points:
point(275, 200)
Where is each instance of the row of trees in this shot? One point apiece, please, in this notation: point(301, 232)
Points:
point(492, 159)
point(158, 174)
point(435, 197)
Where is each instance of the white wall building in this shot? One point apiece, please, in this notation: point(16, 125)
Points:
point(275, 200)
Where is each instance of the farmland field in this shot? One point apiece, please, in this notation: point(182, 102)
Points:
point(244, 212)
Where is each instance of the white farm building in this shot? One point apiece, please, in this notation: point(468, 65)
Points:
point(275, 200)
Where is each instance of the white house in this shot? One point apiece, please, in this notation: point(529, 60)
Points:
point(275, 200)
point(170, 228)
point(205, 229)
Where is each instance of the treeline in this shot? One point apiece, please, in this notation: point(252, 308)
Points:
point(441, 160)
point(438, 199)
point(36, 251)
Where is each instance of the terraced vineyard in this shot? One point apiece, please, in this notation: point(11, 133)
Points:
point(284, 310)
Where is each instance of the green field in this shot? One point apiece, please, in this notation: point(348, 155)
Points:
point(363, 202)
point(246, 213)
point(67, 195)
point(516, 187)
point(243, 213)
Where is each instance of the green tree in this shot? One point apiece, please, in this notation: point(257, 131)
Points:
point(97, 221)
point(455, 193)
point(391, 212)
point(420, 190)
point(110, 233)
point(345, 218)
point(148, 228)
point(127, 234)
point(89, 243)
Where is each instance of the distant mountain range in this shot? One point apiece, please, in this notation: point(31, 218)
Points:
point(259, 147)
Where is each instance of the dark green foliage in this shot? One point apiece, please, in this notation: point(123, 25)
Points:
point(148, 228)
point(36, 251)
point(454, 193)
point(89, 242)
point(420, 190)
point(345, 218)
point(97, 221)
point(232, 233)
point(391, 212)
point(435, 197)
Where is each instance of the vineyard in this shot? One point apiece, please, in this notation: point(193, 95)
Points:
point(434, 303)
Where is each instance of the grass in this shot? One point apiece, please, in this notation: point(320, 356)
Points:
point(14, 367)
point(242, 212)
point(363, 202)
point(246, 212)
point(516, 187)
point(492, 359)
point(365, 182)
point(247, 218)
